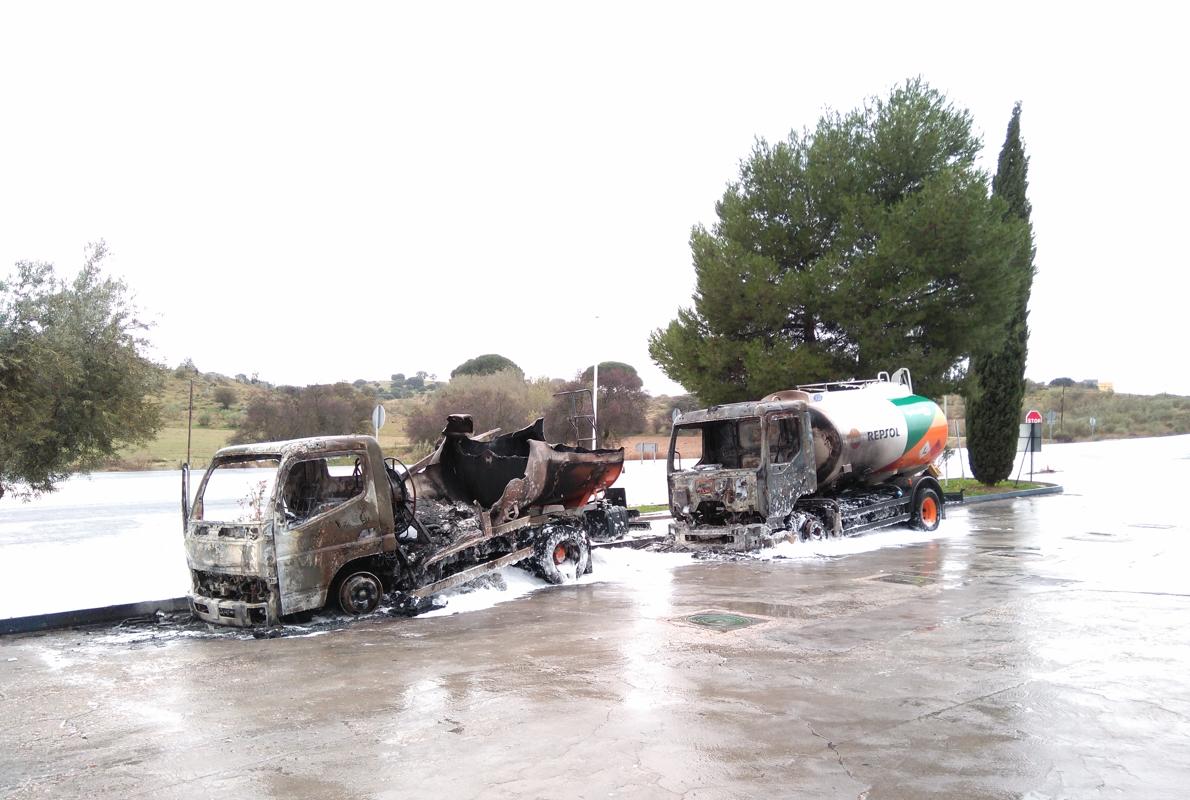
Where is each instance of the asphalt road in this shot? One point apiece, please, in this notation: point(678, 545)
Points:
point(1038, 653)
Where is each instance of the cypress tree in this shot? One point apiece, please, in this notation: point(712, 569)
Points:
point(996, 385)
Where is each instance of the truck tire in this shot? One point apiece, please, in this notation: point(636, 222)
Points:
point(562, 555)
point(359, 592)
point(927, 510)
point(813, 531)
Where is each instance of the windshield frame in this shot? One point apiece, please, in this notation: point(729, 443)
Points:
point(702, 426)
point(198, 510)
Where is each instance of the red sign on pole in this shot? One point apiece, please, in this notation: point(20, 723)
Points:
point(1034, 416)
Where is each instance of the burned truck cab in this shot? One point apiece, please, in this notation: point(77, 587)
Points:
point(736, 471)
point(275, 527)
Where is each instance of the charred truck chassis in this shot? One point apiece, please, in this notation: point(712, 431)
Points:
point(474, 505)
point(815, 519)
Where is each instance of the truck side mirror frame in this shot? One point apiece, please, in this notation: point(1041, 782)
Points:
point(185, 496)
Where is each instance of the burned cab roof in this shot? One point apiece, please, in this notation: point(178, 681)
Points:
point(738, 411)
point(294, 447)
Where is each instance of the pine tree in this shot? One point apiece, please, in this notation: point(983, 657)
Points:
point(866, 244)
point(996, 383)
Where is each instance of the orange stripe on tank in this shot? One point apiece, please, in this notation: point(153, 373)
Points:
point(935, 442)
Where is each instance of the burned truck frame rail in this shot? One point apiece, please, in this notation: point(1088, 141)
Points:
point(330, 521)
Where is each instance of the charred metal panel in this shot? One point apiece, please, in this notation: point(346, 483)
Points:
point(314, 540)
point(513, 472)
point(788, 453)
point(239, 552)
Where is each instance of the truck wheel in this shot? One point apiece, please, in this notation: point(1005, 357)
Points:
point(359, 593)
point(563, 555)
point(927, 510)
point(813, 531)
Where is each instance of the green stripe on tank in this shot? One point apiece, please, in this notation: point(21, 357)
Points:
point(917, 420)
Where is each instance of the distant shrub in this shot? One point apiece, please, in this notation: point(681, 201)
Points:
point(225, 396)
point(487, 364)
point(502, 400)
point(292, 412)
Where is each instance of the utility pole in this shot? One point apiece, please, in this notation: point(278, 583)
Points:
point(595, 409)
point(189, 421)
point(595, 400)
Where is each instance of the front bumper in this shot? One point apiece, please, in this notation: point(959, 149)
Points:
point(235, 613)
point(728, 537)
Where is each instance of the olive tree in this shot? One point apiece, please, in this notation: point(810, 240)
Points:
point(75, 385)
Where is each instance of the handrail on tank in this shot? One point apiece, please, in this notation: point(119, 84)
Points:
point(901, 377)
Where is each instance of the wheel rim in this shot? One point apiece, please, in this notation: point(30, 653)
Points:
point(929, 510)
point(566, 557)
point(360, 594)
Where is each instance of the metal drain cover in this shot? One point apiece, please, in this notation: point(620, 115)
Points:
point(721, 620)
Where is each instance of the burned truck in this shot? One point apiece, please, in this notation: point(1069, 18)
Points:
point(815, 462)
point(329, 520)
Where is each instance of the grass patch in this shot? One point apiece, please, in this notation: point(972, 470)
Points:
point(651, 509)
point(973, 487)
point(168, 450)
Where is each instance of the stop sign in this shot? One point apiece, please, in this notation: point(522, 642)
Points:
point(1034, 416)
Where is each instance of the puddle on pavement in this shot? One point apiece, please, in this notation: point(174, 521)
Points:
point(769, 610)
point(907, 580)
point(1015, 554)
point(1095, 536)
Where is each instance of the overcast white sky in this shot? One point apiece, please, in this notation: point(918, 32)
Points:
point(336, 191)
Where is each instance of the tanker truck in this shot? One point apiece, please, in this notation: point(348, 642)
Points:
point(815, 462)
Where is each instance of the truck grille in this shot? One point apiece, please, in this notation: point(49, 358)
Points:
point(231, 587)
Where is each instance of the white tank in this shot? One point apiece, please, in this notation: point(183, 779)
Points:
point(872, 433)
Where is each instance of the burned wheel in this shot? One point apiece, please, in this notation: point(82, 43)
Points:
point(562, 555)
point(813, 530)
point(359, 593)
point(927, 510)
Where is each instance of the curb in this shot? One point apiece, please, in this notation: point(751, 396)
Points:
point(93, 616)
point(987, 498)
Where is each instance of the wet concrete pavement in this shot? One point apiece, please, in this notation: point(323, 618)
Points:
point(1038, 651)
